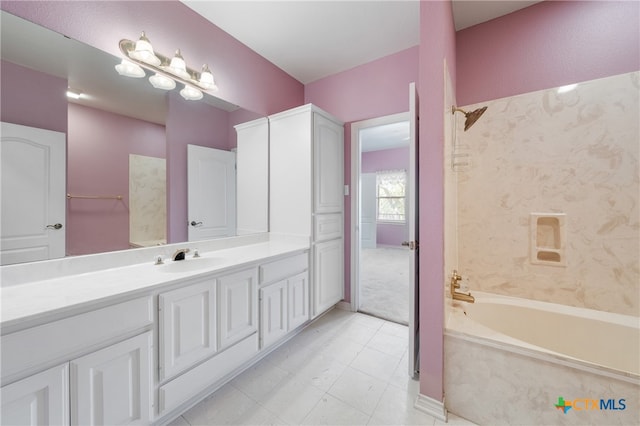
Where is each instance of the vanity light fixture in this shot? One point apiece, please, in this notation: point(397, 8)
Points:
point(166, 71)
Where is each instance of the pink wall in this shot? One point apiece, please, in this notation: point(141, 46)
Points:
point(375, 89)
point(243, 77)
point(194, 123)
point(388, 159)
point(31, 98)
point(437, 43)
point(98, 148)
point(549, 44)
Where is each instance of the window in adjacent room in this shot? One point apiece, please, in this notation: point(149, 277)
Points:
point(391, 189)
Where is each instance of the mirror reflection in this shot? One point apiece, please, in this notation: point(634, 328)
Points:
point(126, 148)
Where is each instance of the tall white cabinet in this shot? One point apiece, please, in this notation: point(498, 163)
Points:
point(306, 188)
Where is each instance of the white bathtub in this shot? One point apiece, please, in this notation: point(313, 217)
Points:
point(530, 353)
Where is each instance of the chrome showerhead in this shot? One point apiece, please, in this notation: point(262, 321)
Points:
point(471, 117)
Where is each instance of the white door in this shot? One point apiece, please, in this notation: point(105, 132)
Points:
point(112, 386)
point(368, 209)
point(237, 306)
point(412, 219)
point(273, 312)
point(33, 182)
point(211, 193)
point(41, 399)
point(187, 326)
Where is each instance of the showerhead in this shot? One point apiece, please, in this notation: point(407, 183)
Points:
point(471, 117)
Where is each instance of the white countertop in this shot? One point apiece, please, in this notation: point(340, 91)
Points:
point(39, 301)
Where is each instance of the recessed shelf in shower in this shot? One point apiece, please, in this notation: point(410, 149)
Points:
point(547, 235)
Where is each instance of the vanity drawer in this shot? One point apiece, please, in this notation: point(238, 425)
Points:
point(283, 268)
point(28, 351)
point(327, 226)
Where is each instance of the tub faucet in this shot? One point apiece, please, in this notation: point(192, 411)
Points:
point(455, 277)
point(180, 254)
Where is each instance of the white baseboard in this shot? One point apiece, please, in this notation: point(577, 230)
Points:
point(431, 406)
point(345, 306)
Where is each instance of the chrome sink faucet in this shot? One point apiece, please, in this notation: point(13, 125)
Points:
point(455, 278)
point(180, 254)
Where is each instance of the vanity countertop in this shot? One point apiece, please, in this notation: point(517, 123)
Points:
point(37, 302)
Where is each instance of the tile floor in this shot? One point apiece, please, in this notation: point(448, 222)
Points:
point(344, 369)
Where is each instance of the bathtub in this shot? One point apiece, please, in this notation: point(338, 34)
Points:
point(508, 360)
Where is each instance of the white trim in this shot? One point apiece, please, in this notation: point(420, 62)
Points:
point(355, 195)
point(431, 406)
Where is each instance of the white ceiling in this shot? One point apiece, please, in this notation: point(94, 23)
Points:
point(312, 39)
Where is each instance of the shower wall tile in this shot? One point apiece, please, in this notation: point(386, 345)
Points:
point(575, 153)
point(147, 200)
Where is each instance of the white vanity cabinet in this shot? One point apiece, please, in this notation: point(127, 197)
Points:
point(284, 297)
point(306, 150)
point(102, 376)
point(42, 399)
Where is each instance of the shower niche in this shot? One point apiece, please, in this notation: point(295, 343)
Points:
point(547, 236)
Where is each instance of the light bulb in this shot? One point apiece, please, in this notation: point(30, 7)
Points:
point(178, 66)
point(191, 93)
point(129, 69)
point(206, 78)
point(161, 82)
point(144, 51)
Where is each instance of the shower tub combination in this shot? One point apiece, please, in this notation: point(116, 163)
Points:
point(509, 360)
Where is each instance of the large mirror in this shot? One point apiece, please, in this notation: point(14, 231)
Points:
point(126, 142)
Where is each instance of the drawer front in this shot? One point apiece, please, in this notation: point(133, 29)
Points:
point(283, 268)
point(24, 352)
point(206, 375)
point(327, 226)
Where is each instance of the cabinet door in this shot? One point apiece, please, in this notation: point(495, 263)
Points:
point(298, 293)
point(273, 314)
point(187, 326)
point(328, 275)
point(328, 151)
point(112, 386)
point(42, 399)
point(237, 306)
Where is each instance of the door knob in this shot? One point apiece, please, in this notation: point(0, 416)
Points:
point(56, 226)
point(194, 223)
point(413, 245)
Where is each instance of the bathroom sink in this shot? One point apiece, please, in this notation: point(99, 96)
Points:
point(191, 264)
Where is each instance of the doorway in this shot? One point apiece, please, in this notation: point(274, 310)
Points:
point(381, 264)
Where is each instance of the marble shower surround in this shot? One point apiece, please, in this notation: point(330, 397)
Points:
point(147, 200)
point(575, 153)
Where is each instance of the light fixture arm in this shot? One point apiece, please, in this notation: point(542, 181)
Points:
point(127, 46)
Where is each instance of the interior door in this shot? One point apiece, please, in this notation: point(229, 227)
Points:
point(412, 219)
point(368, 209)
point(33, 182)
point(211, 193)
